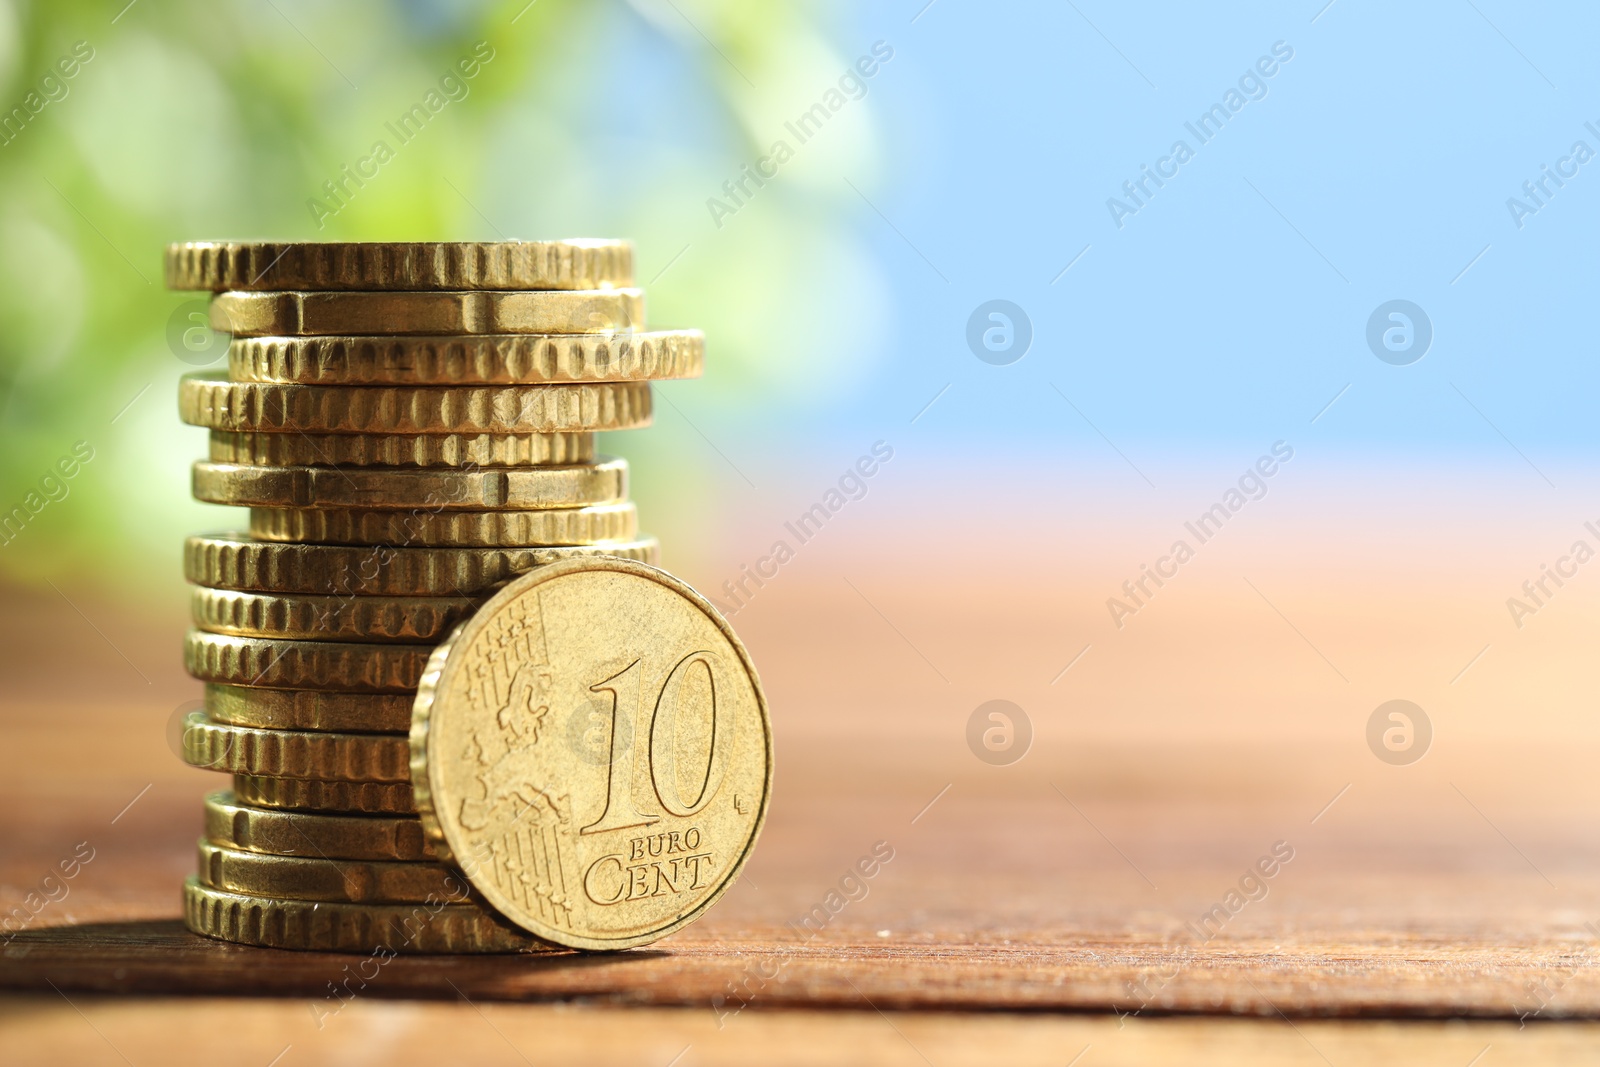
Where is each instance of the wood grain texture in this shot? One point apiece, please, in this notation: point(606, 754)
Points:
point(117, 1031)
point(727, 975)
point(1164, 765)
point(120, 1031)
point(1042, 912)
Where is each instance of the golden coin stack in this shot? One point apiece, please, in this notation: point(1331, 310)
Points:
point(411, 426)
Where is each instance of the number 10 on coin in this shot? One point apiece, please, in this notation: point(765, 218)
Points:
point(629, 824)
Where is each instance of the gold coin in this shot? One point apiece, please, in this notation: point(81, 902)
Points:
point(478, 311)
point(447, 529)
point(314, 878)
point(309, 709)
point(353, 668)
point(233, 561)
point(522, 488)
point(340, 837)
point(217, 746)
point(403, 409)
point(592, 749)
point(392, 450)
point(434, 926)
point(328, 618)
point(313, 794)
point(269, 265)
point(485, 359)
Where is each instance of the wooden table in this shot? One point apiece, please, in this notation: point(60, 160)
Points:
point(1428, 911)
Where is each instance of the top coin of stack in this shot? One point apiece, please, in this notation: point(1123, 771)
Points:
point(411, 425)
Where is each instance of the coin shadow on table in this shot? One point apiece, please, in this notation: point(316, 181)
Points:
point(163, 957)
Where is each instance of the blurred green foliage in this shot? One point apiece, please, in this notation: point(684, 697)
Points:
point(199, 119)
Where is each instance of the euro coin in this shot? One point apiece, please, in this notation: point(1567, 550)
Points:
point(337, 665)
point(219, 404)
point(323, 926)
point(232, 825)
point(236, 561)
point(447, 529)
point(309, 709)
point(521, 488)
point(473, 312)
point(466, 359)
point(292, 753)
point(423, 620)
point(315, 878)
point(393, 450)
point(272, 265)
point(315, 794)
point(592, 749)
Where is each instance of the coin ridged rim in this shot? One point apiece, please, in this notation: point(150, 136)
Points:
point(583, 263)
point(425, 710)
point(481, 359)
point(605, 481)
point(420, 452)
point(318, 926)
point(219, 404)
point(392, 838)
point(318, 711)
point(477, 311)
point(237, 561)
point(303, 617)
point(331, 880)
point(316, 795)
point(218, 746)
point(283, 664)
point(448, 529)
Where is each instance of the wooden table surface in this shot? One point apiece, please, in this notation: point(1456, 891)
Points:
point(1428, 911)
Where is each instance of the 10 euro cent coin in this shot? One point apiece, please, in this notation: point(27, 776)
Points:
point(592, 749)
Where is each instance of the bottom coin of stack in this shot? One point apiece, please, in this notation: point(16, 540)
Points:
point(308, 702)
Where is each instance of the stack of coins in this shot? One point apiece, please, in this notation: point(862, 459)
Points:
point(411, 426)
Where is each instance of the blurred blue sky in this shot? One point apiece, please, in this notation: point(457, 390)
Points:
point(1234, 305)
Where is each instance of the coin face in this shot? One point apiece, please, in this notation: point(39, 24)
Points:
point(592, 749)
